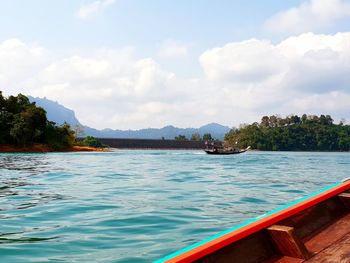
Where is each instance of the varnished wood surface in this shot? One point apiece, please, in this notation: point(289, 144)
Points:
point(284, 259)
point(339, 252)
point(287, 242)
point(329, 235)
point(254, 248)
point(314, 218)
point(330, 245)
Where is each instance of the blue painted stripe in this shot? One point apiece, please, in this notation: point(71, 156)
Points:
point(186, 249)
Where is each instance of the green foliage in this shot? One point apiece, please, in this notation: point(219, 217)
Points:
point(207, 137)
point(196, 137)
point(6, 118)
point(23, 123)
point(93, 142)
point(59, 137)
point(308, 133)
point(181, 138)
point(29, 125)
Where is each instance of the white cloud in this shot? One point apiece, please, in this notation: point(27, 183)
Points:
point(119, 87)
point(247, 61)
point(311, 15)
point(259, 76)
point(90, 10)
point(242, 81)
point(334, 101)
point(173, 49)
point(20, 61)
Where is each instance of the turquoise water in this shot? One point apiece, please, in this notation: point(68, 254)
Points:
point(138, 206)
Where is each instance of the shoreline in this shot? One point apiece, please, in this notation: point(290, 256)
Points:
point(42, 148)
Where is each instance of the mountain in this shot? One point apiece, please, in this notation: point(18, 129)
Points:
point(60, 114)
point(167, 132)
point(55, 111)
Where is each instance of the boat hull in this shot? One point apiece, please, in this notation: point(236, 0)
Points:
point(298, 232)
point(223, 153)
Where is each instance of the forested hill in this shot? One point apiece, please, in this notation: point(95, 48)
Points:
point(293, 133)
point(23, 124)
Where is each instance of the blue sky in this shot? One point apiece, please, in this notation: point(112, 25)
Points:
point(136, 22)
point(157, 62)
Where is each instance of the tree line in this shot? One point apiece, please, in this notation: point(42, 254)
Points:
point(292, 133)
point(22, 124)
point(195, 137)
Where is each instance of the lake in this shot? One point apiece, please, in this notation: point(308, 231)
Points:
point(140, 205)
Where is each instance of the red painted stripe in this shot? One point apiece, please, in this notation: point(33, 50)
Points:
point(240, 233)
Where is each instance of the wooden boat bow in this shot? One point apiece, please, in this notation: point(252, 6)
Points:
point(287, 233)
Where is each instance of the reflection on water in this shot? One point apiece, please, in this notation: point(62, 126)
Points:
point(4, 239)
point(136, 206)
point(31, 163)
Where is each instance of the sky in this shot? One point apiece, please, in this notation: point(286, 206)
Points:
point(131, 64)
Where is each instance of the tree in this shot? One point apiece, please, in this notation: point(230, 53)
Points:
point(196, 137)
point(21, 132)
point(344, 141)
point(17, 104)
point(59, 137)
point(265, 121)
point(295, 119)
point(78, 130)
point(5, 120)
point(304, 118)
point(29, 126)
point(2, 102)
point(23, 123)
point(93, 142)
point(207, 137)
point(181, 138)
point(308, 133)
point(273, 121)
point(329, 120)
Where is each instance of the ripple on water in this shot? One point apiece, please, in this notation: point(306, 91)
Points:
point(136, 206)
point(253, 200)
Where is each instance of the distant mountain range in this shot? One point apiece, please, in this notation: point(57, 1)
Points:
point(60, 114)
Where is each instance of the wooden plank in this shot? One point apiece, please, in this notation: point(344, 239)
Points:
point(284, 259)
point(329, 235)
point(287, 242)
point(339, 252)
point(289, 260)
point(254, 248)
point(345, 197)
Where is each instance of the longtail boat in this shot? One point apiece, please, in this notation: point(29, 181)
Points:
point(225, 151)
point(219, 148)
point(313, 229)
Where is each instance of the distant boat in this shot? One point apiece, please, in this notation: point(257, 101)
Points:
point(314, 229)
point(219, 148)
point(223, 151)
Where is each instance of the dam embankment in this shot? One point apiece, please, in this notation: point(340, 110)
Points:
point(151, 144)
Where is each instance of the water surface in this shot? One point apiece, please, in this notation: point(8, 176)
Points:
point(138, 206)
